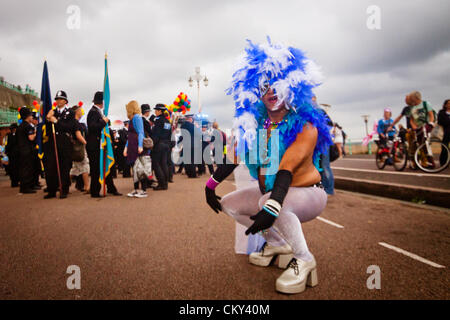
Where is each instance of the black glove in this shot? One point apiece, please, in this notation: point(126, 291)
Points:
point(263, 220)
point(213, 200)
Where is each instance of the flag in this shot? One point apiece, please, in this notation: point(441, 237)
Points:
point(106, 162)
point(46, 106)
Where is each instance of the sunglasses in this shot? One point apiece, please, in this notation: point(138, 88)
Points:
point(264, 88)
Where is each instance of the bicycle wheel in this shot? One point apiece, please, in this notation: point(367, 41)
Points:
point(427, 157)
point(380, 159)
point(400, 157)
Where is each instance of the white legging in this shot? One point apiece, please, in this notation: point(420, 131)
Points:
point(299, 206)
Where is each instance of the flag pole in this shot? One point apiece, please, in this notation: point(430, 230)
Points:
point(104, 150)
point(57, 159)
point(104, 170)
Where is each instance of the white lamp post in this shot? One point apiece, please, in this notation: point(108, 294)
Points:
point(366, 121)
point(198, 77)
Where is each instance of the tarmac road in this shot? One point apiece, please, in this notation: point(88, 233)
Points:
point(172, 246)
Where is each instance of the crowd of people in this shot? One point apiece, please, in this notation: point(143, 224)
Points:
point(143, 149)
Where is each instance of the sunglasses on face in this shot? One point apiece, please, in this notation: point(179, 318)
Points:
point(264, 88)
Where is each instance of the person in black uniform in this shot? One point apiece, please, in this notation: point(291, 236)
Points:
point(12, 151)
point(26, 135)
point(61, 119)
point(96, 121)
point(123, 138)
point(161, 135)
point(188, 127)
point(170, 164)
point(36, 160)
point(145, 110)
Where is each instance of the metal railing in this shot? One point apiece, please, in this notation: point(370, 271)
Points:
point(18, 88)
point(8, 117)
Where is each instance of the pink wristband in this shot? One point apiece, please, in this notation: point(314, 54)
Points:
point(212, 184)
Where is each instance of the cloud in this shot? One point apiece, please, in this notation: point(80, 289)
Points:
point(153, 47)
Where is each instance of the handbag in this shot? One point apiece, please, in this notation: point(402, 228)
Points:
point(78, 152)
point(143, 167)
point(148, 143)
point(334, 152)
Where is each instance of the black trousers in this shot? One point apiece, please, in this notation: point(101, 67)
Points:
point(65, 164)
point(191, 167)
point(94, 167)
point(13, 169)
point(159, 160)
point(26, 171)
point(170, 165)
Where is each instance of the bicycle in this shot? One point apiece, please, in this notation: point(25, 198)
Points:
point(394, 153)
point(427, 155)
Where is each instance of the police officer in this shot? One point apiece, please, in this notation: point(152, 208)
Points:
point(191, 144)
point(12, 151)
point(96, 121)
point(161, 135)
point(26, 135)
point(59, 120)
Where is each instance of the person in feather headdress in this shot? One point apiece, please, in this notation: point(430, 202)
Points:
point(280, 136)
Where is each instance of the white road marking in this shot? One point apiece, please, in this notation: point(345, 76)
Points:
point(411, 255)
point(330, 223)
point(395, 172)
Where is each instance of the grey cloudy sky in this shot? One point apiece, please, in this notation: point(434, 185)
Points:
point(153, 47)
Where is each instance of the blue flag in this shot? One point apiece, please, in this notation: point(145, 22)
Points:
point(46, 106)
point(106, 162)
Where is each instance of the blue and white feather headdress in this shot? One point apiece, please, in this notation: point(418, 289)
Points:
point(285, 69)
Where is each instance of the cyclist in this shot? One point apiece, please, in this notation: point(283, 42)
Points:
point(386, 130)
point(422, 115)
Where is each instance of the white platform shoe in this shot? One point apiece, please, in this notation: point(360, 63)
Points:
point(269, 254)
point(297, 276)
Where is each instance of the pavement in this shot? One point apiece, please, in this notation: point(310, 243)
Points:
point(172, 246)
point(364, 167)
point(359, 173)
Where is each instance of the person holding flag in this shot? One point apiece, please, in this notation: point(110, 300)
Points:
point(59, 151)
point(96, 123)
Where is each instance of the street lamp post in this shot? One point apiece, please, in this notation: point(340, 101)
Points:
point(366, 121)
point(198, 77)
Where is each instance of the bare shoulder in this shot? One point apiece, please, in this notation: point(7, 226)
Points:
point(309, 133)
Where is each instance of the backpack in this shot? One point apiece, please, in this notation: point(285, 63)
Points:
point(438, 131)
point(427, 107)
